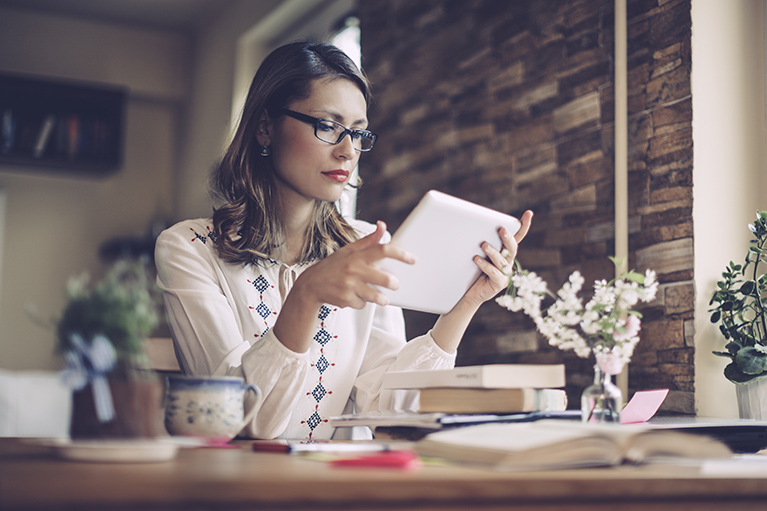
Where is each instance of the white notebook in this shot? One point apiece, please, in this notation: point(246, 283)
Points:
point(444, 233)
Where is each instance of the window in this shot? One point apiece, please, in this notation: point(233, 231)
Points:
point(348, 39)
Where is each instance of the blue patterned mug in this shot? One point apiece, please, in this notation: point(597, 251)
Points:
point(208, 407)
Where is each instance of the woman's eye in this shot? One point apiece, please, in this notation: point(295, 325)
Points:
point(327, 126)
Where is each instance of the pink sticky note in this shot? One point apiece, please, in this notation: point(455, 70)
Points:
point(643, 406)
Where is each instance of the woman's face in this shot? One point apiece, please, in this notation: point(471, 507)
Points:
point(306, 167)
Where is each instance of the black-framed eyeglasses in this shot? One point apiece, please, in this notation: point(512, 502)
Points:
point(333, 132)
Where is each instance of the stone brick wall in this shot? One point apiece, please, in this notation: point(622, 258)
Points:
point(510, 104)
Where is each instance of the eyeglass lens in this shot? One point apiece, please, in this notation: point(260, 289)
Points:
point(333, 132)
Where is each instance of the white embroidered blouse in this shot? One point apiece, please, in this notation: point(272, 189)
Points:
point(221, 316)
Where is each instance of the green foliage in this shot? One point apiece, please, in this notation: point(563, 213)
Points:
point(122, 307)
point(738, 306)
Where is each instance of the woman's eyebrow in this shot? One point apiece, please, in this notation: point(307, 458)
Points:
point(340, 118)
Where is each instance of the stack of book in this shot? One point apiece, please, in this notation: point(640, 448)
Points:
point(469, 395)
point(486, 389)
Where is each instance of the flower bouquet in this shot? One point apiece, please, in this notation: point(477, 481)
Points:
point(606, 325)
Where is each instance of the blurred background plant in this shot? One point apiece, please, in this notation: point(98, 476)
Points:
point(122, 307)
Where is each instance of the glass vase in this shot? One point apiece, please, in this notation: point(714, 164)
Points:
point(602, 401)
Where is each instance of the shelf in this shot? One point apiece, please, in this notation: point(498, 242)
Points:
point(65, 126)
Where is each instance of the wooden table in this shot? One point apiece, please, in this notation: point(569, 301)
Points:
point(31, 478)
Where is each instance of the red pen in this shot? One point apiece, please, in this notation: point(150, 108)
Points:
point(271, 446)
point(405, 460)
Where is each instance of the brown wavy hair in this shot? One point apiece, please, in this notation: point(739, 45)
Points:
point(247, 226)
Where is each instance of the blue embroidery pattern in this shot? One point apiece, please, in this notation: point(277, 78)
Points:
point(262, 284)
point(209, 235)
point(322, 337)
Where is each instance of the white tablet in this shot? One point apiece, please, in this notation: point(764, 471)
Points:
point(444, 233)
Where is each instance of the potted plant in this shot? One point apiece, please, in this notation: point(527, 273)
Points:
point(101, 334)
point(738, 306)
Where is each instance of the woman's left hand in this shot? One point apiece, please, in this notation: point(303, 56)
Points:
point(495, 267)
point(450, 327)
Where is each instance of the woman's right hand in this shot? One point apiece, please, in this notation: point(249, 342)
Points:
point(347, 278)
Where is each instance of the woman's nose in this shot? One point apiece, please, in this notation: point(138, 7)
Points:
point(345, 147)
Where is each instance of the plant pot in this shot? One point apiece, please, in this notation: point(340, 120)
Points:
point(137, 405)
point(752, 399)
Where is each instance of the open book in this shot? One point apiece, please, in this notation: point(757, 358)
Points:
point(563, 444)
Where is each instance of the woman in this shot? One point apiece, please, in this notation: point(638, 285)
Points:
point(278, 288)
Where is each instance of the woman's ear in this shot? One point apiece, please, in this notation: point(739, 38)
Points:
point(264, 129)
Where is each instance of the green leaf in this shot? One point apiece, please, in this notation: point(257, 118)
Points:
point(747, 288)
point(733, 347)
point(751, 361)
point(732, 373)
point(735, 375)
point(716, 316)
point(619, 262)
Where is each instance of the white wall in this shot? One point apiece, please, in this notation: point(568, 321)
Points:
point(730, 162)
point(210, 105)
point(54, 222)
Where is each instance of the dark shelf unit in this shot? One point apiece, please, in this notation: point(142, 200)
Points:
point(61, 126)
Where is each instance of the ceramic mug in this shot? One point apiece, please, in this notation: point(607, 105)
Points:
point(208, 407)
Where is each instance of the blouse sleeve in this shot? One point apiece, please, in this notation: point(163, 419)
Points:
point(208, 333)
point(388, 351)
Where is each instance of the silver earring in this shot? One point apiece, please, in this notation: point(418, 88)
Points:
point(265, 151)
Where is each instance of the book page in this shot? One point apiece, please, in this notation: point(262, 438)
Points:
point(544, 444)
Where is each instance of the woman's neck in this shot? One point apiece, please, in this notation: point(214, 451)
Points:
point(296, 221)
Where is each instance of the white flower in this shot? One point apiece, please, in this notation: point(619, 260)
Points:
point(606, 326)
point(610, 363)
point(631, 329)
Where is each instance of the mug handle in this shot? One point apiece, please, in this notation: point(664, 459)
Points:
point(259, 399)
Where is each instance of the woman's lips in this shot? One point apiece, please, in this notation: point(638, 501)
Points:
point(337, 175)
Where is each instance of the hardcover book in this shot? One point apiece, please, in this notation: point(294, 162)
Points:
point(481, 400)
point(539, 376)
point(410, 425)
